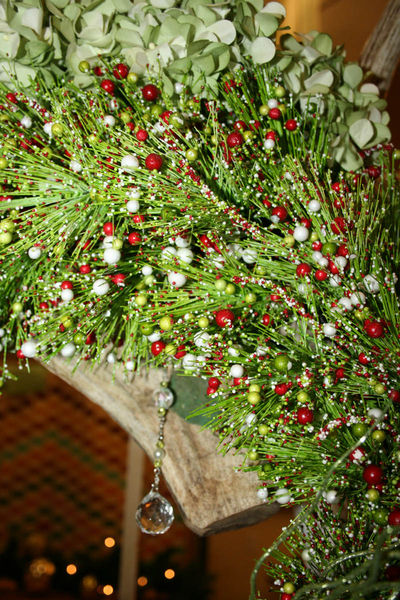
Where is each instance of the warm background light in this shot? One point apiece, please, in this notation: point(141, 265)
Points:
point(109, 542)
point(108, 590)
point(169, 574)
point(142, 581)
point(71, 569)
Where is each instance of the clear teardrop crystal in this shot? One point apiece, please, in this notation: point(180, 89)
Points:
point(154, 514)
point(163, 398)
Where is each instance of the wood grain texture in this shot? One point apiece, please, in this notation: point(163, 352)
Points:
point(381, 52)
point(211, 495)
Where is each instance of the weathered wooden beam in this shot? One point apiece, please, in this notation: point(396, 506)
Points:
point(381, 51)
point(211, 495)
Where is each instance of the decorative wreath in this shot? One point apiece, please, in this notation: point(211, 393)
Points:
point(179, 190)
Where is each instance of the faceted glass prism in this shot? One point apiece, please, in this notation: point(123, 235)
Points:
point(163, 398)
point(154, 514)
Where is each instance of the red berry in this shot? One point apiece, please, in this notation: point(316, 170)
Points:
point(270, 135)
point(239, 125)
point(12, 98)
point(154, 162)
point(108, 228)
point(224, 317)
point(291, 125)
point(320, 275)
point(333, 268)
point(374, 172)
point(90, 339)
point(339, 225)
point(363, 359)
point(234, 139)
point(317, 245)
point(280, 212)
point(274, 113)
point(336, 186)
point(306, 222)
point(342, 250)
point(139, 218)
point(275, 298)
point(394, 518)
point(205, 241)
point(130, 125)
point(134, 238)
point(44, 306)
point(305, 415)
point(266, 319)
point(357, 455)
point(118, 279)
point(373, 329)
point(121, 71)
point(286, 596)
point(166, 115)
point(20, 354)
point(108, 86)
point(214, 382)
point(394, 395)
point(142, 135)
point(340, 373)
point(84, 269)
point(67, 285)
point(303, 269)
point(97, 71)
point(181, 352)
point(372, 474)
point(281, 389)
point(157, 347)
point(150, 92)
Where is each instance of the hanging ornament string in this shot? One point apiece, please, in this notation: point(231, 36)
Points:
point(155, 514)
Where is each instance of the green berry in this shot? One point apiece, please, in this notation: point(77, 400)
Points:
point(170, 349)
point(289, 241)
point(280, 92)
point(380, 516)
point(192, 154)
point(5, 238)
point(230, 289)
point(263, 430)
point(3, 162)
point(329, 248)
point(250, 298)
point(140, 300)
point(220, 285)
point(146, 328)
point(125, 116)
point(79, 338)
point(84, 66)
point(303, 397)
point(378, 436)
point(203, 322)
point(281, 363)
point(165, 323)
point(57, 129)
point(372, 495)
point(117, 244)
point(359, 429)
point(254, 387)
point(132, 77)
point(288, 588)
point(252, 455)
point(253, 398)
point(379, 389)
point(263, 110)
point(17, 307)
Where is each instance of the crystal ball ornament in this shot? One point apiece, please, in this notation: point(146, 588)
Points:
point(154, 514)
point(163, 398)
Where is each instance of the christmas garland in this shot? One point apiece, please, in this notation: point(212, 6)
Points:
point(244, 231)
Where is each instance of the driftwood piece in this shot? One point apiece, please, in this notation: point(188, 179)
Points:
point(210, 494)
point(381, 52)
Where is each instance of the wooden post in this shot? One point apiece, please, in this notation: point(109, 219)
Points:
point(130, 533)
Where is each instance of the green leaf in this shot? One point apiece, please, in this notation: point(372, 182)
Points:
point(266, 23)
point(288, 42)
point(181, 65)
point(352, 75)
point(283, 62)
point(224, 30)
point(323, 43)
point(204, 13)
point(361, 132)
point(382, 135)
point(369, 88)
point(247, 27)
point(354, 116)
point(346, 92)
point(275, 8)
point(324, 77)
point(122, 5)
point(205, 64)
point(168, 86)
point(385, 118)
point(351, 160)
point(262, 50)
point(318, 88)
